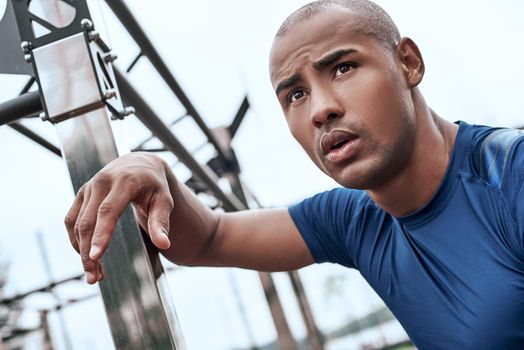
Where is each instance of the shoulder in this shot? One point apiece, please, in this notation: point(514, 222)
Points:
point(497, 154)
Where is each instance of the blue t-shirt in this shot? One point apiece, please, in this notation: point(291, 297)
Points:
point(453, 271)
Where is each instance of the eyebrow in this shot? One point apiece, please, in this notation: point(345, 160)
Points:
point(331, 58)
point(288, 82)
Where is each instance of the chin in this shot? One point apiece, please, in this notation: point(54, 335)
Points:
point(357, 176)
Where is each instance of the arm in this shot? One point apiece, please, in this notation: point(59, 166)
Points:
point(195, 235)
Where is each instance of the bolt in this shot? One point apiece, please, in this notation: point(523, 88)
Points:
point(127, 111)
point(93, 36)
point(28, 58)
point(44, 116)
point(86, 24)
point(110, 94)
point(109, 58)
point(26, 46)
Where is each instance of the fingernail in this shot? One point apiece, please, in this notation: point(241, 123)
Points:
point(93, 253)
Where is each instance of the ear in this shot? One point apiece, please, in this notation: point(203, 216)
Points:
point(411, 61)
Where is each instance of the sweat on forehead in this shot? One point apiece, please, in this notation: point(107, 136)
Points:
point(373, 20)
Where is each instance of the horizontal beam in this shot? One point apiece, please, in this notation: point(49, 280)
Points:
point(20, 107)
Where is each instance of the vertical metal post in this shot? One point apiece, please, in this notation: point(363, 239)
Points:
point(314, 337)
point(47, 343)
point(285, 338)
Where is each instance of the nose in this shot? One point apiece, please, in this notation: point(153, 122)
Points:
point(324, 107)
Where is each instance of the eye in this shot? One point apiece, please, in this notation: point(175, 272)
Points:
point(343, 68)
point(295, 95)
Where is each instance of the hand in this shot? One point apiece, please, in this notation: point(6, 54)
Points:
point(139, 179)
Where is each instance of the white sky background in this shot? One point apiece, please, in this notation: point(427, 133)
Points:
point(218, 51)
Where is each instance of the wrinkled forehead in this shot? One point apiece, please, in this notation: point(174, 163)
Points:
point(314, 37)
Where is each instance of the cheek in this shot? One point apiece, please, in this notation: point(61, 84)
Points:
point(302, 134)
point(379, 102)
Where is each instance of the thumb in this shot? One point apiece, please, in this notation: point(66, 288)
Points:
point(158, 223)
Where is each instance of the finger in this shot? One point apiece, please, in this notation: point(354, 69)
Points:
point(76, 234)
point(108, 213)
point(71, 218)
point(160, 210)
point(101, 273)
point(86, 225)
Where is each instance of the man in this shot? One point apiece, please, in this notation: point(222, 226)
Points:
point(431, 213)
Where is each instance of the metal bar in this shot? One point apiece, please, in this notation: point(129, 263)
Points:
point(46, 288)
point(28, 85)
point(47, 343)
point(140, 316)
point(20, 107)
point(315, 339)
point(35, 137)
point(135, 61)
point(151, 120)
point(285, 339)
point(141, 144)
point(151, 150)
point(239, 117)
point(124, 14)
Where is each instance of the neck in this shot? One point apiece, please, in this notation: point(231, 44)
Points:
point(414, 185)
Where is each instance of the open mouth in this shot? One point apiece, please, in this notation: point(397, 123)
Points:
point(335, 140)
point(339, 144)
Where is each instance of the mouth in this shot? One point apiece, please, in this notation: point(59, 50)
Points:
point(338, 145)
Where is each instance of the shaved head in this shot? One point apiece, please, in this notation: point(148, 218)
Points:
point(373, 20)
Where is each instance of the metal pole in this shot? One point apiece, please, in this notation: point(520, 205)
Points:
point(72, 66)
point(314, 337)
point(44, 324)
point(20, 107)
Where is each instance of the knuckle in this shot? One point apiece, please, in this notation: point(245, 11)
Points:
point(84, 226)
point(130, 179)
point(81, 190)
point(106, 209)
point(102, 179)
point(69, 221)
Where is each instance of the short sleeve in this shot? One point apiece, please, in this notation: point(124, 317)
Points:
point(324, 222)
point(513, 185)
point(519, 213)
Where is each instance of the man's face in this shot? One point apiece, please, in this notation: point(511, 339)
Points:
point(345, 98)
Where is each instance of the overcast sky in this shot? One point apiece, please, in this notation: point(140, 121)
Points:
point(218, 51)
